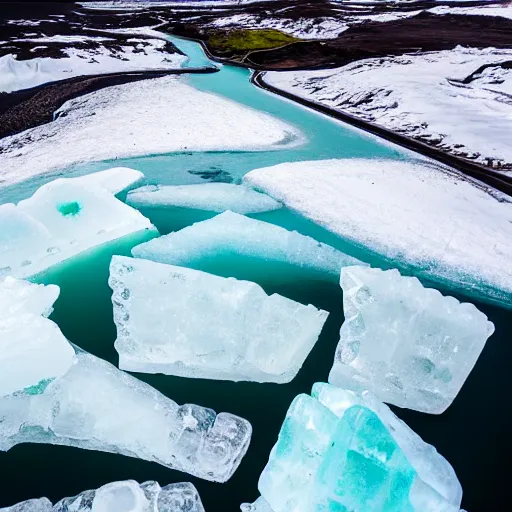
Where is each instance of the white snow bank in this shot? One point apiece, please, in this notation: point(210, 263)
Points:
point(214, 197)
point(62, 219)
point(415, 95)
point(448, 229)
point(147, 55)
point(140, 118)
point(502, 11)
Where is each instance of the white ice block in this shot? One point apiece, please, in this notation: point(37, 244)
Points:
point(33, 351)
point(62, 219)
point(95, 406)
point(214, 197)
point(185, 322)
point(114, 180)
point(19, 296)
point(231, 234)
point(411, 346)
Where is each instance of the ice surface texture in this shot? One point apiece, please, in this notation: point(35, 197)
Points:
point(52, 393)
point(19, 296)
point(230, 234)
point(62, 219)
point(126, 496)
point(180, 321)
point(114, 180)
point(410, 345)
point(215, 197)
point(132, 119)
point(339, 450)
point(446, 228)
point(33, 351)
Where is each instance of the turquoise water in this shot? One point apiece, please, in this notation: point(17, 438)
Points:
point(472, 434)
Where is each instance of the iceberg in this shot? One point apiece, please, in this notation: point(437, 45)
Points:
point(214, 197)
point(33, 351)
point(53, 393)
point(411, 346)
point(208, 245)
point(185, 322)
point(335, 451)
point(62, 219)
point(126, 496)
point(422, 217)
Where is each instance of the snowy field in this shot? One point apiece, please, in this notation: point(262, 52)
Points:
point(140, 55)
point(422, 96)
point(147, 117)
point(447, 228)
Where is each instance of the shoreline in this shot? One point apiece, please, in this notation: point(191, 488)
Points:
point(28, 108)
point(482, 173)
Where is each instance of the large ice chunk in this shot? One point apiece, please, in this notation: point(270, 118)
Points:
point(62, 218)
point(95, 406)
point(19, 296)
point(180, 321)
point(33, 351)
point(214, 197)
point(126, 496)
point(410, 345)
point(230, 235)
point(335, 452)
point(448, 228)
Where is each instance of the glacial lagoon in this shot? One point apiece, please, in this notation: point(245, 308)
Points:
point(471, 434)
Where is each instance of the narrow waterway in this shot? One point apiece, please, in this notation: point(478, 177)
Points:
point(471, 434)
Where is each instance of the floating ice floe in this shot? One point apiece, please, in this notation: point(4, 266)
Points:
point(214, 197)
point(410, 345)
point(231, 236)
point(132, 120)
point(339, 450)
point(64, 218)
point(33, 351)
point(53, 393)
point(180, 321)
point(448, 229)
point(126, 496)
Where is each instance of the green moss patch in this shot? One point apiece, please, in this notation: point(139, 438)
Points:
point(249, 40)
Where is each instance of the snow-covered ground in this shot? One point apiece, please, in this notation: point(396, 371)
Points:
point(140, 118)
point(141, 54)
point(307, 28)
point(413, 213)
point(502, 11)
point(418, 95)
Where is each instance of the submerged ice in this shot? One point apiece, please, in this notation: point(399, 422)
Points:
point(214, 197)
point(126, 496)
point(410, 345)
point(63, 218)
point(339, 450)
point(185, 322)
point(231, 236)
point(54, 393)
